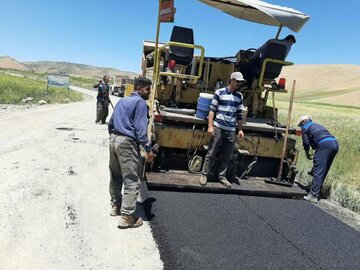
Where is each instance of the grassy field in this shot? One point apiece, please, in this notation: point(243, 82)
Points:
point(84, 82)
point(27, 84)
point(343, 121)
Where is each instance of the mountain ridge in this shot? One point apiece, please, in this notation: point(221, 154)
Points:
point(62, 67)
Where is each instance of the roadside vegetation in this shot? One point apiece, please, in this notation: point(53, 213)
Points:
point(18, 85)
point(84, 82)
point(343, 182)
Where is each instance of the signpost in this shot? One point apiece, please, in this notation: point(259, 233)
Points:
point(167, 11)
point(166, 14)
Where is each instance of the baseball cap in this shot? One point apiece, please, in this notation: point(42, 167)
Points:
point(237, 76)
point(303, 118)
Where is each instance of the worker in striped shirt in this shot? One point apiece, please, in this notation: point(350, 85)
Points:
point(225, 117)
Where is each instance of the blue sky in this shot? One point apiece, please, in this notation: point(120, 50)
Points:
point(110, 33)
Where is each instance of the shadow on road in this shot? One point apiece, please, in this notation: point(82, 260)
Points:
point(147, 206)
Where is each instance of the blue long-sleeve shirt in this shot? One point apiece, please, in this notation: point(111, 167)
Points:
point(313, 133)
point(130, 119)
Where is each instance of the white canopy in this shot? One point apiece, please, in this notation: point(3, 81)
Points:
point(261, 12)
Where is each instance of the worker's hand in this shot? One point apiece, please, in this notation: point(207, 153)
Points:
point(308, 156)
point(240, 134)
point(211, 131)
point(149, 156)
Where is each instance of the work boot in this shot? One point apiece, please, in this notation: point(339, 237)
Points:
point(311, 198)
point(224, 181)
point(203, 180)
point(126, 221)
point(115, 209)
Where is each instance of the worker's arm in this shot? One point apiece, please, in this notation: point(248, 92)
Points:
point(308, 155)
point(101, 89)
point(240, 132)
point(213, 108)
point(140, 125)
point(239, 117)
point(211, 123)
point(306, 143)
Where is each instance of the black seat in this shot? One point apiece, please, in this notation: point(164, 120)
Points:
point(181, 55)
point(274, 51)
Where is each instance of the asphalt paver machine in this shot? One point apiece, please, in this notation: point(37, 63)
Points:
point(183, 77)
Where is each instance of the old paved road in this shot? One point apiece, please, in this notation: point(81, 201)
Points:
point(217, 231)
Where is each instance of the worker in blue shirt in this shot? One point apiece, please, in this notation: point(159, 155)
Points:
point(128, 130)
point(326, 147)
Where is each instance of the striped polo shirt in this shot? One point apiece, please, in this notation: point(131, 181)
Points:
point(227, 107)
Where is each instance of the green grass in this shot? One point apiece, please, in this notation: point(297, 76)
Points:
point(13, 89)
point(84, 82)
point(343, 181)
point(315, 94)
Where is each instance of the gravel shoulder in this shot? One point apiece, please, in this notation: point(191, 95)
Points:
point(55, 203)
point(345, 215)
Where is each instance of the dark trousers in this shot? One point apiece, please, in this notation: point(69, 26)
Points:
point(224, 141)
point(102, 110)
point(323, 158)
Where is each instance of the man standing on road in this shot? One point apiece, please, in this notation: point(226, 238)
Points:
point(128, 129)
point(225, 111)
point(326, 148)
point(102, 103)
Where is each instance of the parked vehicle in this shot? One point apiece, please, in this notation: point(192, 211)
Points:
point(119, 85)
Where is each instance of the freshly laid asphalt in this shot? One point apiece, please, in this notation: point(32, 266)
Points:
point(219, 231)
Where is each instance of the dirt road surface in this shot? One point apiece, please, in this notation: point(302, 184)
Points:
point(54, 203)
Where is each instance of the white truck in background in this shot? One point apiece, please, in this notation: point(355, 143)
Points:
point(119, 84)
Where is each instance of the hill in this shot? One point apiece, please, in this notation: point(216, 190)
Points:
point(10, 63)
point(74, 69)
point(333, 84)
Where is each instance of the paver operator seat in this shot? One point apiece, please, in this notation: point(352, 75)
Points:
point(274, 51)
point(181, 55)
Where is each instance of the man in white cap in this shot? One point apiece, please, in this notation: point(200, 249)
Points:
point(326, 147)
point(225, 117)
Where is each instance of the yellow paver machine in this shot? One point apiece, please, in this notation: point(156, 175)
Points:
point(184, 80)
